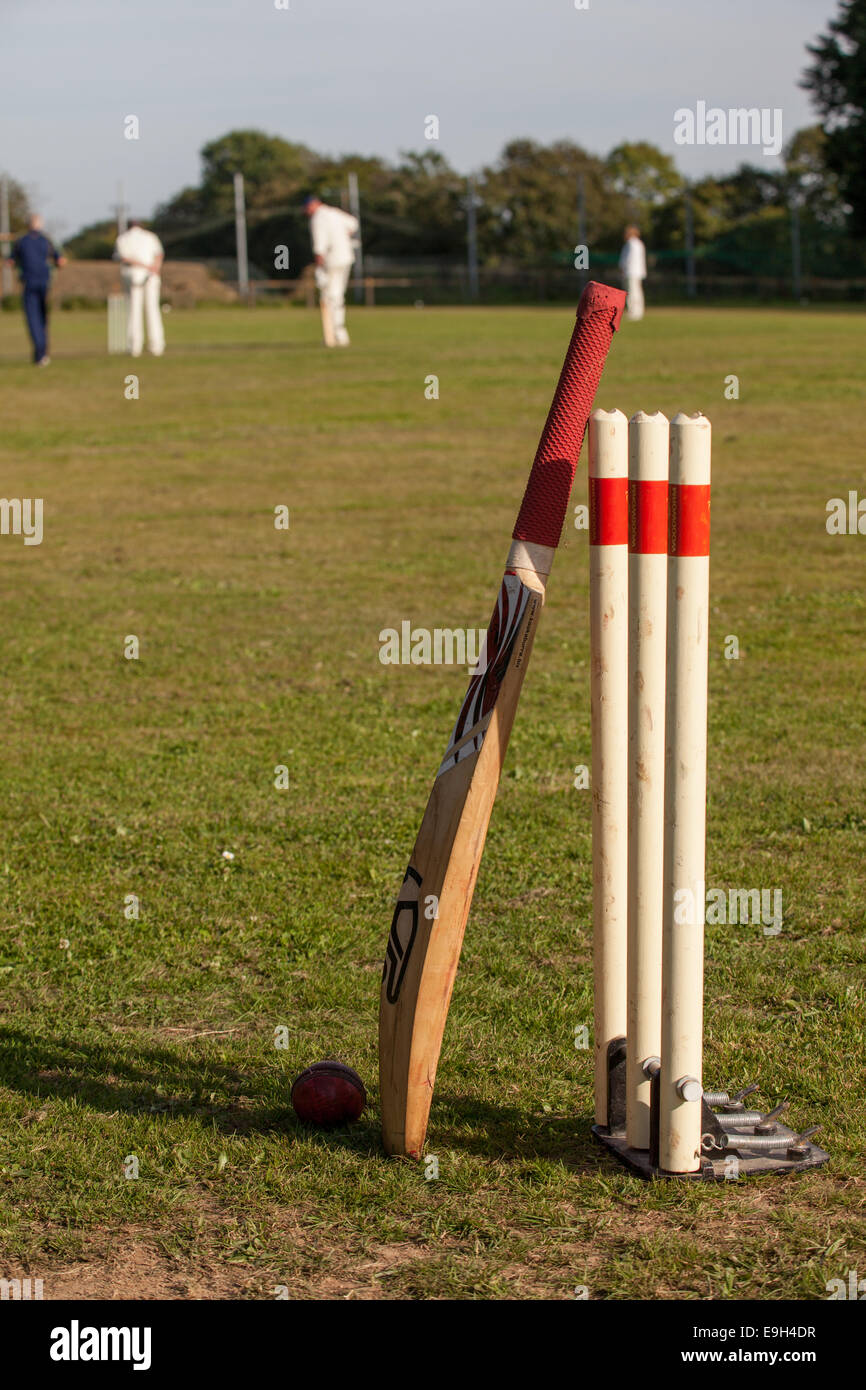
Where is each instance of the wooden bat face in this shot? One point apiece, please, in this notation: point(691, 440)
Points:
point(430, 916)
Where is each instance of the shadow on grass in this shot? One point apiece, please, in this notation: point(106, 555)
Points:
point(157, 1081)
point(465, 1124)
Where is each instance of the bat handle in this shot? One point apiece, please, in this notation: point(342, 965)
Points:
point(545, 501)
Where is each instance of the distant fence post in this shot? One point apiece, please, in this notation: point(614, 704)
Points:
point(241, 237)
point(691, 282)
point(796, 255)
point(122, 217)
point(471, 239)
point(5, 238)
point(581, 218)
point(355, 210)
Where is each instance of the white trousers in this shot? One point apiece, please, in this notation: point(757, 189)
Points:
point(143, 306)
point(334, 291)
point(634, 297)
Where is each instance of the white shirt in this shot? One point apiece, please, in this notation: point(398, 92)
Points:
point(632, 260)
point(333, 232)
point(137, 244)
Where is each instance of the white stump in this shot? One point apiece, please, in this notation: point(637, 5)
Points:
point(608, 626)
point(685, 795)
point(648, 564)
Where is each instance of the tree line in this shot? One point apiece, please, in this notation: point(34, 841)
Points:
point(532, 204)
point(536, 201)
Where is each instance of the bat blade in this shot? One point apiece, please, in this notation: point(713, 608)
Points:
point(327, 323)
point(430, 917)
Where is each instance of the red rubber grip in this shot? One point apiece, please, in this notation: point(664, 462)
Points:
point(545, 501)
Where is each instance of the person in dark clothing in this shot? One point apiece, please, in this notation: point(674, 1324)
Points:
point(33, 254)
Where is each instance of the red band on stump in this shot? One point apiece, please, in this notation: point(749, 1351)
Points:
point(608, 511)
point(647, 517)
point(689, 519)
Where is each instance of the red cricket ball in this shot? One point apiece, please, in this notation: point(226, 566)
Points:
point(328, 1094)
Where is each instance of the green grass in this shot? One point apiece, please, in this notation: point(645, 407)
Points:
point(154, 1038)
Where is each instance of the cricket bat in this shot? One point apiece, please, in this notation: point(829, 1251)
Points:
point(430, 917)
point(327, 322)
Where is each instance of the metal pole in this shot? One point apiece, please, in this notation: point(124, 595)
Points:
point(355, 210)
point(796, 258)
point(581, 210)
point(581, 217)
point(122, 219)
point(241, 238)
point(471, 239)
point(691, 284)
point(5, 276)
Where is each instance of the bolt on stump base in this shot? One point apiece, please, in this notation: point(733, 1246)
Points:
point(761, 1145)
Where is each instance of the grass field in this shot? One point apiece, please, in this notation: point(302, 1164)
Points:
point(154, 1039)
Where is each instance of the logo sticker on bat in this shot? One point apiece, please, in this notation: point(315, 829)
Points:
point(483, 691)
point(401, 939)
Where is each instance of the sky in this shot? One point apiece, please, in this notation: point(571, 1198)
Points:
point(345, 76)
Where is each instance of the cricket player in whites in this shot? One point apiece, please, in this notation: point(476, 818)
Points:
point(141, 255)
point(334, 235)
point(632, 264)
